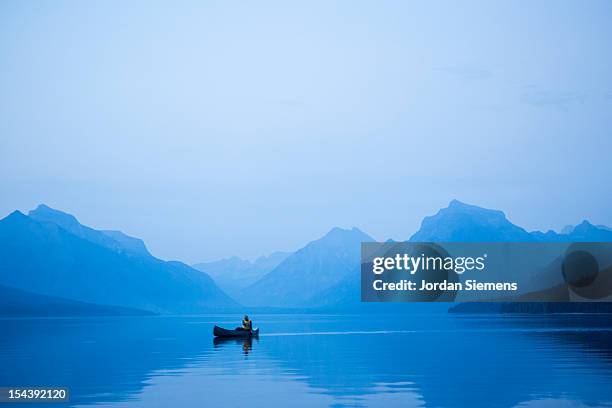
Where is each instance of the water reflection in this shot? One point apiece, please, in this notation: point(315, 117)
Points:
point(246, 343)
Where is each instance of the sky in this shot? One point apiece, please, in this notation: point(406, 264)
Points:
point(212, 129)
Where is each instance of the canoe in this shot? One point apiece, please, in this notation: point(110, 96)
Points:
point(221, 332)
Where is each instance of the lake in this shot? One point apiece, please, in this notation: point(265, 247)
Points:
point(433, 360)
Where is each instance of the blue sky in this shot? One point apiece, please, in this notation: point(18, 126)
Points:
point(219, 128)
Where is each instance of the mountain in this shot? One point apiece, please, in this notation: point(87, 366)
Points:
point(460, 222)
point(114, 240)
point(269, 262)
point(345, 297)
point(569, 228)
point(587, 232)
point(15, 302)
point(345, 294)
point(128, 243)
point(310, 270)
point(51, 253)
point(234, 274)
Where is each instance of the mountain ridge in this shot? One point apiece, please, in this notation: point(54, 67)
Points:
point(316, 266)
point(323, 273)
point(234, 274)
point(115, 240)
point(458, 222)
point(45, 258)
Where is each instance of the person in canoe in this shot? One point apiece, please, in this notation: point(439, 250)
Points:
point(247, 324)
point(246, 330)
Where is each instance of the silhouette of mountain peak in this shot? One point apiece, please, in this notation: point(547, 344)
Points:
point(584, 226)
point(50, 253)
point(16, 215)
point(45, 213)
point(342, 234)
point(465, 222)
point(16, 218)
point(115, 240)
point(459, 206)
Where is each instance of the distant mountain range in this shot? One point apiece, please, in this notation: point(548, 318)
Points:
point(235, 274)
point(460, 222)
point(314, 268)
point(48, 252)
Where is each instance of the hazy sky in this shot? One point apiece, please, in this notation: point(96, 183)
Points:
point(217, 128)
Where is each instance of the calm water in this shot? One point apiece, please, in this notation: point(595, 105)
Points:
point(433, 360)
